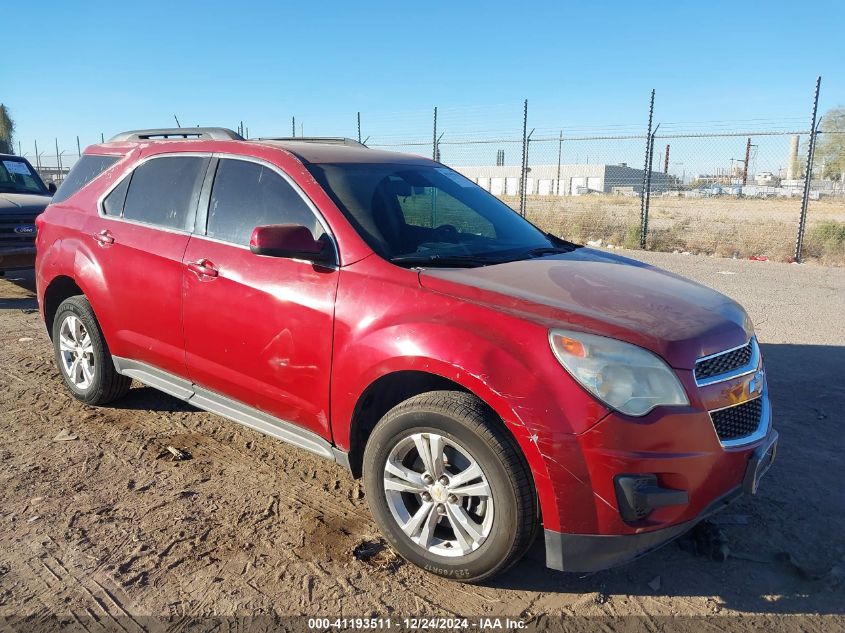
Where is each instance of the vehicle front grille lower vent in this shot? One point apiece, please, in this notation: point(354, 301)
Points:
point(738, 421)
point(723, 363)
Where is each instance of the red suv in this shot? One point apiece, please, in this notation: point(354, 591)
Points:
point(385, 312)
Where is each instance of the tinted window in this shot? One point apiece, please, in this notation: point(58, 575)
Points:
point(163, 191)
point(113, 204)
point(426, 210)
point(246, 195)
point(84, 171)
point(430, 207)
point(17, 176)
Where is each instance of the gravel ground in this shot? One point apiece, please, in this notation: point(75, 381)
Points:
point(105, 529)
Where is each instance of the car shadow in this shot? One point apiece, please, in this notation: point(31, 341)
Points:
point(144, 398)
point(783, 543)
point(20, 288)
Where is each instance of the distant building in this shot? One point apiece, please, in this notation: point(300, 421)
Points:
point(566, 180)
point(767, 179)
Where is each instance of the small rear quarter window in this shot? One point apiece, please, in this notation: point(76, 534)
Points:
point(84, 171)
point(113, 204)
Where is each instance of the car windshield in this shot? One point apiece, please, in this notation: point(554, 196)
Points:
point(16, 176)
point(428, 215)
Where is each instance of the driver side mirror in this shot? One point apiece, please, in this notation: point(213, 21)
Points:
point(292, 241)
point(51, 187)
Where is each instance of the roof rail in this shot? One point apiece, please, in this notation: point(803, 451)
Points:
point(331, 140)
point(176, 133)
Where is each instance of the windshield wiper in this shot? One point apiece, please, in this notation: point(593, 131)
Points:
point(447, 261)
point(548, 250)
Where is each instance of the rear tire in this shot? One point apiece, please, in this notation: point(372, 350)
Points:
point(449, 488)
point(83, 356)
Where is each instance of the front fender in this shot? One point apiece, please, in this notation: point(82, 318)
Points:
point(385, 322)
point(484, 378)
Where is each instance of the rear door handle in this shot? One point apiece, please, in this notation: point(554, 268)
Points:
point(203, 268)
point(104, 237)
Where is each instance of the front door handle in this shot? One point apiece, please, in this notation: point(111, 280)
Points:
point(203, 268)
point(104, 237)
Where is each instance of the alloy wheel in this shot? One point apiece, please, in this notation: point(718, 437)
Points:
point(77, 352)
point(438, 494)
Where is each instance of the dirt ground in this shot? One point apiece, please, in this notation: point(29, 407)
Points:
point(101, 531)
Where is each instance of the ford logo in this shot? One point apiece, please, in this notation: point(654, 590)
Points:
point(25, 229)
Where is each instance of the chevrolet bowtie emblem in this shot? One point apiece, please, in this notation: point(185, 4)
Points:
point(755, 385)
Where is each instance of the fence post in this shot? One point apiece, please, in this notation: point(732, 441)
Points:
point(434, 137)
point(808, 175)
point(78, 148)
point(644, 227)
point(643, 202)
point(293, 126)
point(524, 172)
point(37, 157)
point(359, 126)
point(559, 156)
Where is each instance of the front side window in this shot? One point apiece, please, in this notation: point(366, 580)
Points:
point(246, 195)
point(16, 176)
point(412, 214)
point(163, 191)
point(84, 171)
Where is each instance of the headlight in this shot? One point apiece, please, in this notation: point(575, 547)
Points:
point(623, 376)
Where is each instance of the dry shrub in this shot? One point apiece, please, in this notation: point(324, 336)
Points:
point(725, 227)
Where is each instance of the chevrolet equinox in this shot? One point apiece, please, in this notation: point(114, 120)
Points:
point(486, 379)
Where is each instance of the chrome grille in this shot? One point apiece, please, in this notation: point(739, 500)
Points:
point(724, 363)
point(8, 223)
point(738, 421)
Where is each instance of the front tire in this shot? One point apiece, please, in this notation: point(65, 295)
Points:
point(83, 356)
point(449, 487)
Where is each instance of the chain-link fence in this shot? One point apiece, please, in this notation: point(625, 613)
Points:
point(730, 194)
point(720, 189)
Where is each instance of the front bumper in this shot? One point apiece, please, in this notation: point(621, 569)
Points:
point(17, 258)
point(595, 552)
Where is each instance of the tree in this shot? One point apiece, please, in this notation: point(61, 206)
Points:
point(7, 130)
point(830, 145)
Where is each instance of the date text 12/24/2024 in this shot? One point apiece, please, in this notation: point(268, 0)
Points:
point(417, 623)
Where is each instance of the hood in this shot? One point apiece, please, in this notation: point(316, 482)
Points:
point(22, 203)
point(601, 293)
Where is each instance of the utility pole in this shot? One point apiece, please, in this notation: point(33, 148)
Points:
point(747, 160)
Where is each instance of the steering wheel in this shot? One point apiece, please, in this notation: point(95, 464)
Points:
point(447, 232)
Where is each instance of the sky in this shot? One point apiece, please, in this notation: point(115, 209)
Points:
point(86, 68)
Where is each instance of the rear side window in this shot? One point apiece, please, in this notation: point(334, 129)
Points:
point(246, 195)
point(163, 191)
point(84, 171)
point(113, 204)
